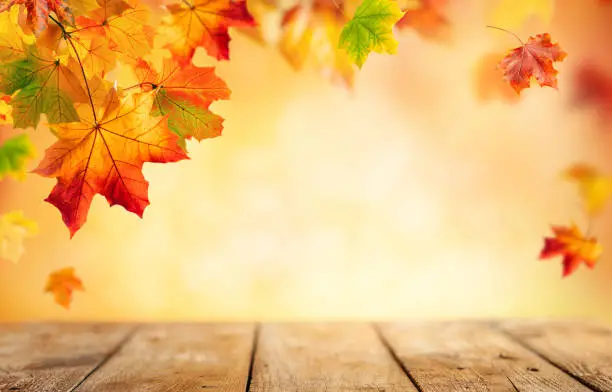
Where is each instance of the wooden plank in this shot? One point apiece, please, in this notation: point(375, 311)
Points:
point(471, 356)
point(179, 357)
point(324, 358)
point(583, 349)
point(54, 357)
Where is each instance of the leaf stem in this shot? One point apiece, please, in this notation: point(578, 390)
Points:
point(509, 32)
point(66, 37)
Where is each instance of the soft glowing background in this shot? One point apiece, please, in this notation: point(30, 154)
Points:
point(407, 198)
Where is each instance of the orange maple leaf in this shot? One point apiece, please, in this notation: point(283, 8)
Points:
point(62, 283)
point(185, 95)
point(570, 243)
point(428, 20)
point(123, 27)
point(205, 23)
point(533, 59)
point(104, 154)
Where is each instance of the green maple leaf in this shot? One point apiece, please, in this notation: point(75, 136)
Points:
point(14, 153)
point(43, 84)
point(371, 30)
point(187, 120)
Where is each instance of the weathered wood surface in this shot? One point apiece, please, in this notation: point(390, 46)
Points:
point(324, 357)
point(471, 356)
point(173, 358)
point(581, 349)
point(529, 356)
point(54, 357)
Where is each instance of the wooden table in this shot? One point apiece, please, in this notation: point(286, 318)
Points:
point(461, 356)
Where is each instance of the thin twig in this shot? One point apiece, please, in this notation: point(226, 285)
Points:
point(66, 37)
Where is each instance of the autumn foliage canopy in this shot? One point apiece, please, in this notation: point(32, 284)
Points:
point(114, 82)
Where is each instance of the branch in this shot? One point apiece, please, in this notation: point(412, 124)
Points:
point(67, 38)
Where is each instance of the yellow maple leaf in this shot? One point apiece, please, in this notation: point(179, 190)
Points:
point(312, 34)
point(511, 14)
point(14, 228)
point(595, 188)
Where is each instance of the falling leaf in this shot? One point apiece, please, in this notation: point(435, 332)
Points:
point(14, 229)
point(205, 23)
point(371, 30)
point(593, 87)
point(14, 153)
point(595, 188)
point(62, 283)
point(533, 59)
point(512, 14)
point(104, 154)
point(313, 33)
point(184, 96)
point(489, 80)
point(573, 246)
point(427, 20)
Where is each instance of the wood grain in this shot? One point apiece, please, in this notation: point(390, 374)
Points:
point(53, 357)
point(471, 356)
point(179, 357)
point(583, 349)
point(324, 358)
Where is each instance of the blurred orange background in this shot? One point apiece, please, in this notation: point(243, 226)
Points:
point(408, 197)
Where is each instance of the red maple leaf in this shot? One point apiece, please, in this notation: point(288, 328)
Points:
point(533, 59)
point(570, 243)
point(593, 87)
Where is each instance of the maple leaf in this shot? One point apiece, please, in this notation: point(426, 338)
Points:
point(14, 153)
point(184, 95)
point(205, 23)
point(116, 26)
point(595, 188)
point(11, 37)
point(14, 229)
point(427, 20)
point(371, 30)
point(43, 83)
point(104, 154)
point(39, 11)
point(61, 284)
point(533, 59)
point(314, 33)
point(592, 86)
point(573, 246)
